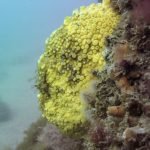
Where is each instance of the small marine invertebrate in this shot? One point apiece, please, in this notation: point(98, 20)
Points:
point(116, 111)
point(72, 52)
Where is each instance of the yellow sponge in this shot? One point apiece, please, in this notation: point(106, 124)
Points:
point(72, 52)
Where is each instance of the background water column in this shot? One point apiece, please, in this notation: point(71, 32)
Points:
point(24, 26)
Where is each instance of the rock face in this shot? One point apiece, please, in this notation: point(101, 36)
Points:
point(120, 107)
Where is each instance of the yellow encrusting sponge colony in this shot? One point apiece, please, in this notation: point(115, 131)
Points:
point(72, 52)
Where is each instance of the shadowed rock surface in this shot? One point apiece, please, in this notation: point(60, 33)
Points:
point(5, 112)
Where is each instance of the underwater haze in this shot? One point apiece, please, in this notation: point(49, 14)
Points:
point(24, 26)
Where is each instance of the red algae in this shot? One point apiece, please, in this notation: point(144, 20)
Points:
point(141, 10)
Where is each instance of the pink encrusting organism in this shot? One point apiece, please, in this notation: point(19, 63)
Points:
point(141, 10)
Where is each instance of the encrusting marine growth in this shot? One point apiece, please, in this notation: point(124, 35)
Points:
point(72, 52)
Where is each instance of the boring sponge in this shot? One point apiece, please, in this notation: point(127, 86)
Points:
point(71, 53)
